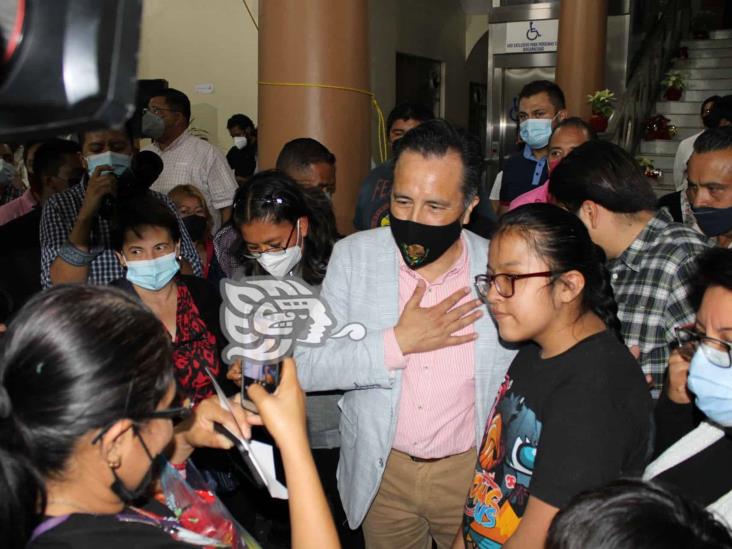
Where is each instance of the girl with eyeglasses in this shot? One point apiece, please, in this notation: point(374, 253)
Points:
point(86, 408)
point(278, 229)
point(694, 411)
point(574, 410)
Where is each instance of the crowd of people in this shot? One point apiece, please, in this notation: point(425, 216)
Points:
point(545, 363)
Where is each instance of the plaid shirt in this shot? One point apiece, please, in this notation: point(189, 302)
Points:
point(192, 161)
point(652, 281)
point(57, 220)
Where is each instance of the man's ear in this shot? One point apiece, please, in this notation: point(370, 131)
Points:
point(590, 213)
point(53, 183)
point(469, 209)
point(121, 258)
point(562, 114)
point(570, 286)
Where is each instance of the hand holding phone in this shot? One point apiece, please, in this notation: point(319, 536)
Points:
point(266, 376)
point(283, 409)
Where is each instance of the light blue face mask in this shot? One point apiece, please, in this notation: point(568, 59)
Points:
point(711, 384)
point(535, 132)
point(119, 162)
point(153, 274)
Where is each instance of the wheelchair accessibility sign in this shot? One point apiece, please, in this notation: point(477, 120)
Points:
point(532, 36)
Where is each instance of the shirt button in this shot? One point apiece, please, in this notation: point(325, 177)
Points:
point(614, 276)
point(381, 462)
point(419, 407)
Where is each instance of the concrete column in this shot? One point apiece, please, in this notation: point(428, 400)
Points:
point(581, 52)
point(319, 42)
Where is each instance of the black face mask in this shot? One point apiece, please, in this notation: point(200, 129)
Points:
point(196, 226)
point(713, 221)
point(421, 244)
point(127, 495)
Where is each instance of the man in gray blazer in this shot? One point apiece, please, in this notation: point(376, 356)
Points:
point(420, 385)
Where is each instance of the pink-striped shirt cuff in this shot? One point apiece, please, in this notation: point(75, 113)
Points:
point(393, 357)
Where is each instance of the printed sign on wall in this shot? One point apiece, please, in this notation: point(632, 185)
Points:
point(532, 36)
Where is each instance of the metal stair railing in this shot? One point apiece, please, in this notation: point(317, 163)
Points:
point(635, 106)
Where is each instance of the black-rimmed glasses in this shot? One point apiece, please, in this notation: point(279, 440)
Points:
point(173, 413)
point(504, 283)
point(718, 352)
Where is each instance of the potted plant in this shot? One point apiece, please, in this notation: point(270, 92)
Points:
point(674, 84)
point(602, 108)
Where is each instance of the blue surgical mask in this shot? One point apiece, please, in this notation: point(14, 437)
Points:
point(119, 162)
point(713, 221)
point(153, 274)
point(712, 386)
point(535, 132)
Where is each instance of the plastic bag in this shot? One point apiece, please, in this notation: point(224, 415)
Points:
point(199, 511)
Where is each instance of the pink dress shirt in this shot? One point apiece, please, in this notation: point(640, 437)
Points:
point(437, 404)
point(539, 194)
point(17, 208)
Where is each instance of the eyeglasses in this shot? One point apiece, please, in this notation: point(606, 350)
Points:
point(267, 200)
point(158, 110)
point(276, 250)
point(504, 283)
point(718, 352)
point(173, 413)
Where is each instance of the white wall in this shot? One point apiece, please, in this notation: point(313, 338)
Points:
point(189, 42)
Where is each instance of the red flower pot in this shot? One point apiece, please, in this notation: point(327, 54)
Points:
point(598, 122)
point(673, 94)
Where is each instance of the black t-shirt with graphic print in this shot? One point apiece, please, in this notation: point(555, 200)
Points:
point(559, 426)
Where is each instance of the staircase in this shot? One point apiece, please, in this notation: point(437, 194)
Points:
point(707, 71)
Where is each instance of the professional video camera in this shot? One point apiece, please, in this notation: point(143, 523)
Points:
point(67, 65)
point(145, 167)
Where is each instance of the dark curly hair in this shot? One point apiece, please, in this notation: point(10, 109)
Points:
point(274, 196)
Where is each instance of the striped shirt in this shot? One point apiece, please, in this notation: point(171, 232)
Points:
point(192, 161)
point(437, 403)
point(652, 281)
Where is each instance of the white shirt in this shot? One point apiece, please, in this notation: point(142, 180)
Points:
point(683, 153)
point(192, 161)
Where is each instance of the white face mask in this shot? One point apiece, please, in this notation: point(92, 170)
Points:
point(280, 264)
point(240, 141)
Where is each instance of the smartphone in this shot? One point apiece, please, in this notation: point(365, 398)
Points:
point(266, 375)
